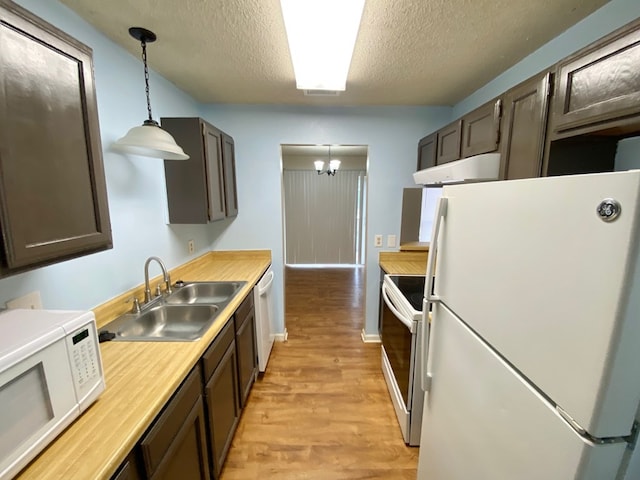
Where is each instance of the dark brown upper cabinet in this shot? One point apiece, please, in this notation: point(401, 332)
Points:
point(480, 129)
point(449, 143)
point(201, 189)
point(229, 160)
point(53, 197)
point(427, 151)
point(523, 128)
point(598, 88)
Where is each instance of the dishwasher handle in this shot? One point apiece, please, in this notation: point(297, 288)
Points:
point(264, 289)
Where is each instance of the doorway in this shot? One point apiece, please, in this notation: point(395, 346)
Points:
point(324, 215)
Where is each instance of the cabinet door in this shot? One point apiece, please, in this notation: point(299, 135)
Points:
point(215, 173)
point(176, 446)
point(53, 199)
point(230, 194)
point(128, 470)
point(480, 129)
point(223, 407)
point(449, 143)
point(246, 346)
point(188, 195)
point(427, 151)
point(598, 88)
point(524, 127)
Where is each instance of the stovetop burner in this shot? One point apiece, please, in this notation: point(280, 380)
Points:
point(411, 287)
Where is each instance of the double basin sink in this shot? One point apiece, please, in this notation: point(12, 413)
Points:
point(183, 315)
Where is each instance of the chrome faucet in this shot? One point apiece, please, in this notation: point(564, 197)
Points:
point(165, 274)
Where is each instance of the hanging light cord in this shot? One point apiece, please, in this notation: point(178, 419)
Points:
point(150, 121)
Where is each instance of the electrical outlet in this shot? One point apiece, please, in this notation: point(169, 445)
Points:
point(192, 246)
point(391, 241)
point(377, 241)
point(30, 300)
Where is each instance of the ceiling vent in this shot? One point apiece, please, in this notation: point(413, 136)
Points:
point(321, 93)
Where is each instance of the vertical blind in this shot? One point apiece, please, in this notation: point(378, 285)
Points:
point(323, 217)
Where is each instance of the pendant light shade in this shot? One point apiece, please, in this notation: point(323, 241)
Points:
point(148, 139)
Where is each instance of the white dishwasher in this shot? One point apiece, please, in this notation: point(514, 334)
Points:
point(262, 297)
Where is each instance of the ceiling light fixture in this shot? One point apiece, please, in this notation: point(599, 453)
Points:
point(334, 165)
point(321, 35)
point(149, 140)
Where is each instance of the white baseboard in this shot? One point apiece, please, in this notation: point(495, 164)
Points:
point(281, 337)
point(370, 338)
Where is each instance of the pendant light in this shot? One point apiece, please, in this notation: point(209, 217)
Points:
point(149, 140)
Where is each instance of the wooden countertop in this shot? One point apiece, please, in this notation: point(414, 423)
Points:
point(404, 262)
point(140, 377)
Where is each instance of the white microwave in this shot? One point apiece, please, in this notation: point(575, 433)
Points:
point(50, 372)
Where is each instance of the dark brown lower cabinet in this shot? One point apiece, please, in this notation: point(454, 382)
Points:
point(176, 445)
point(190, 438)
point(129, 470)
point(246, 347)
point(221, 395)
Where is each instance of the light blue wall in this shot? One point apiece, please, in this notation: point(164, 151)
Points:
point(392, 134)
point(611, 16)
point(137, 199)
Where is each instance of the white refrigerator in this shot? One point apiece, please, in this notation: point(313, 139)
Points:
point(532, 368)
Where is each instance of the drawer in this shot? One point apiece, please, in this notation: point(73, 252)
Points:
point(211, 358)
point(243, 311)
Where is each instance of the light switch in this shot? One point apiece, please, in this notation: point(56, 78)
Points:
point(391, 241)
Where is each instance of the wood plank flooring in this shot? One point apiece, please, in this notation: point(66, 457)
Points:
point(322, 410)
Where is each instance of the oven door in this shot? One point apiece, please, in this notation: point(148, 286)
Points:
point(398, 341)
point(399, 348)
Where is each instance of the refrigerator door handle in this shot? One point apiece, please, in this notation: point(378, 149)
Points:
point(441, 211)
point(426, 351)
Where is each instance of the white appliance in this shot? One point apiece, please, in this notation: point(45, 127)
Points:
point(263, 300)
point(401, 328)
point(533, 354)
point(50, 372)
point(479, 168)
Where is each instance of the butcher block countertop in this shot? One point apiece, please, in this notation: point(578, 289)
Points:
point(140, 376)
point(404, 262)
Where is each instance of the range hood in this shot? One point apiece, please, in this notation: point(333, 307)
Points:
point(479, 168)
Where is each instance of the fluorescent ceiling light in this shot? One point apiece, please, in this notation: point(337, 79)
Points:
point(322, 35)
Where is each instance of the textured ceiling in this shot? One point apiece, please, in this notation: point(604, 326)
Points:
point(408, 52)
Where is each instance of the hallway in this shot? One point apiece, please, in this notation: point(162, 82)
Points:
point(321, 411)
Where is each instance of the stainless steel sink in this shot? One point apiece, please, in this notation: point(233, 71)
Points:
point(204, 293)
point(165, 323)
point(183, 315)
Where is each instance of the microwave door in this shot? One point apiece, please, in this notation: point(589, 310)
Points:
point(36, 404)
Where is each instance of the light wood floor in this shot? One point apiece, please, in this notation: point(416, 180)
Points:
point(322, 410)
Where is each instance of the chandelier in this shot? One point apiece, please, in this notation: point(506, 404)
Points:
point(334, 165)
